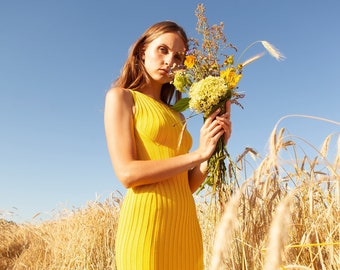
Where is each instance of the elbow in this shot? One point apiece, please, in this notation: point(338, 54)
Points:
point(127, 179)
point(130, 175)
point(126, 173)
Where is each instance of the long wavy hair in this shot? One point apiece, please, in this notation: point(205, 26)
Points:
point(134, 75)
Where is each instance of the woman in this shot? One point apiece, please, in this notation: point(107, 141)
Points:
point(158, 228)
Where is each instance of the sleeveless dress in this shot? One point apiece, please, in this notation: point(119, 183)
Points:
point(158, 227)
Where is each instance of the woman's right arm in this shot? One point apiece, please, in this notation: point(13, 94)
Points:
point(118, 121)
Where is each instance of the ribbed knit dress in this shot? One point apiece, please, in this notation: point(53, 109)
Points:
point(158, 227)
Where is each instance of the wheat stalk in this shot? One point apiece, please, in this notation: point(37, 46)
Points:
point(277, 236)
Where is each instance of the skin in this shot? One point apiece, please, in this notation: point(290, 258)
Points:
point(158, 56)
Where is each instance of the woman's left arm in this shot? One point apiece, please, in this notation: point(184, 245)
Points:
point(199, 173)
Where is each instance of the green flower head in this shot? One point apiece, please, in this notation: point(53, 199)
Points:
point(181, 81)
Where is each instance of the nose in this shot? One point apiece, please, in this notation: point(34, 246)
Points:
point(168, 60)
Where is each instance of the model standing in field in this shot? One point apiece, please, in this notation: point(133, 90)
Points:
point(158, 227)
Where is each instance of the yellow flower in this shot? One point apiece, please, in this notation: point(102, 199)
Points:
point(229, 60)
point(189, 61)
point(231, 77)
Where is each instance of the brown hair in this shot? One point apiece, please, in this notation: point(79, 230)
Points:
point(133, 75)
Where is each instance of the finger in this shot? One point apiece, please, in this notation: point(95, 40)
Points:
point(226, 125)
point(227, 132)
point(214, 136)
point(228, 107)
point(227, 110)
point(209, 131)
point(212, 116)
point(224, 121)
point(217, 130)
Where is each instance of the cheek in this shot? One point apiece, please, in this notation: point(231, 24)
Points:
point(150, 56)
point(150, 59)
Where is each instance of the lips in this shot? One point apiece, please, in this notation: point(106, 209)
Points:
point(165, 70)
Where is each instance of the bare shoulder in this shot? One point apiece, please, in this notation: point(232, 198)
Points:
point(118, 96)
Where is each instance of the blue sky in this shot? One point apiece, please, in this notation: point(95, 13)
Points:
point(58, 58)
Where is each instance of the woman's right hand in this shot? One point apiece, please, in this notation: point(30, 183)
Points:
point(210, 133)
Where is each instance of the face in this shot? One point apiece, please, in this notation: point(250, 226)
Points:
point(161, 54)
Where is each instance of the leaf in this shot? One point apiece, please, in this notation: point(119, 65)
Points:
point(181, 105)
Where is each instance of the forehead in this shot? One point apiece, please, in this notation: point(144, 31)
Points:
point(172, 40)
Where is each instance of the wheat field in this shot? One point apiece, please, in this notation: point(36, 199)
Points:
point(285, 215)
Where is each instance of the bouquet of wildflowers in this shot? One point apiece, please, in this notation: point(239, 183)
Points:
point(209, 78)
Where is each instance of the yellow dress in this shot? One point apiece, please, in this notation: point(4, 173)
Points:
point(158, 227)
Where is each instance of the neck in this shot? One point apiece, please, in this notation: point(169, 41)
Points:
point(153, 91)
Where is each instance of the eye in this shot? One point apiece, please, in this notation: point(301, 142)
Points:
point(163, 49)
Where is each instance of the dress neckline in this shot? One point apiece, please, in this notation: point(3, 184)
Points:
point(156, 101)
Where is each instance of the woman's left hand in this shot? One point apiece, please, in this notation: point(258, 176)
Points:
point(224, 121)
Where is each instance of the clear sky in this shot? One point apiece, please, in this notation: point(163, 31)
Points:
point(58, 58)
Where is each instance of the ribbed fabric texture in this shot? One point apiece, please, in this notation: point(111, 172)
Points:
point(158, 227)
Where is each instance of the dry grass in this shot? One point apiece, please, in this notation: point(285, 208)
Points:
point(81, 239)
point(284, 216)
point(288, 214)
